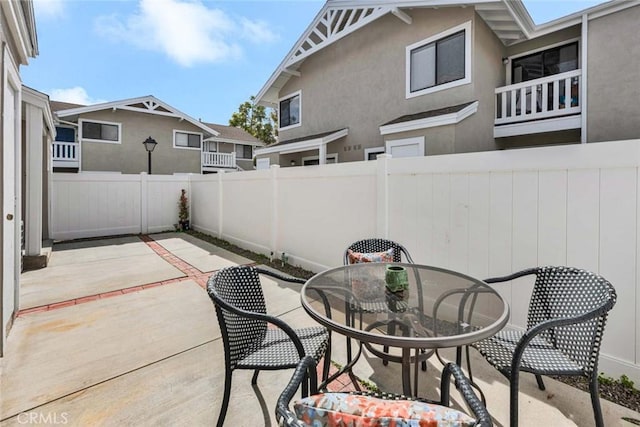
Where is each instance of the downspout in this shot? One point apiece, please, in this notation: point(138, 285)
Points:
point(583, 86)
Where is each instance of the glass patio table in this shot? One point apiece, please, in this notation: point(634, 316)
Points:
point(433, 308)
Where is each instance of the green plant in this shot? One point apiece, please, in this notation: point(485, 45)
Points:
point(626, 382)
point(183, 206)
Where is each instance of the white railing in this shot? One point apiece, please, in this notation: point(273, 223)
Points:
point(553, 96)
point(219, 160)
point(65, 152)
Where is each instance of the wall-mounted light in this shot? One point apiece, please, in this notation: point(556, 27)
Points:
point(293, 162)
point(505, 60)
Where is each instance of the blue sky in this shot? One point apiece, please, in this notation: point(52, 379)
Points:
point(202, 57)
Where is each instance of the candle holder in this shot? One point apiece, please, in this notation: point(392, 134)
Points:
point(396, 278)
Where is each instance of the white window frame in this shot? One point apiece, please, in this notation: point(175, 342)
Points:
point(406, 141)
point(509, 77)
point(333, 156)
point(103, 141)
point(297, 93)
point(180, 147)
point(467, 60)
point(264, 163)
point(75, 133)
point(235, 150)
point(373, 150)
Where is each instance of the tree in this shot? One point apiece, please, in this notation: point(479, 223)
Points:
point(254, 119)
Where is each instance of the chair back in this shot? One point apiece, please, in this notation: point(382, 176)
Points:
point(561, 292)
point(240, 288)
point(378, 245)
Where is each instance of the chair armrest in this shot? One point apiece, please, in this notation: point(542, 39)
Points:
point(548, 324)
point(516, 275)
point(472, 400)
point(267, 318)
point(279, 276)
point(284, 416)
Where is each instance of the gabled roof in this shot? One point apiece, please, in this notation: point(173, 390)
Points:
point(508, 19)
point(233, 135)
point(145, 104)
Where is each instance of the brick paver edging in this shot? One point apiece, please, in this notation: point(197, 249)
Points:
point(191, 273)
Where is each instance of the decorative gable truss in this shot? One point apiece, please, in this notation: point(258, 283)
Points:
point(148, 106)
point(334, 24)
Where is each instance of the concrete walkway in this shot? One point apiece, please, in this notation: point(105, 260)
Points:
point(121, 332)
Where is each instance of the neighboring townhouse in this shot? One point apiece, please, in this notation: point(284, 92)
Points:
point(24, 131)
point(109, 137)
point(415, 78)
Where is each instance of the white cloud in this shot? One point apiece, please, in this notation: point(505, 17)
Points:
point(49, 8)
point(74, 95)
point(188, 32)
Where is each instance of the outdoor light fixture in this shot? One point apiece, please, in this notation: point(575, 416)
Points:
point(505, 60)
point(293, 162)
point(149, 145)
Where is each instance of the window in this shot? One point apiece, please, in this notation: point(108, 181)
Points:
point(439, 62)
point(315, 160)
point(289, 111)
point(100, 131)
point(64, 134)
point(244, 151)
point(183, 139)
point(372, 153)
point(545, 63)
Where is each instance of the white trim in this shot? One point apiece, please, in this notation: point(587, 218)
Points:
point(373, 150)
point(296, 147)
point(103, 141)
point(297, 93)
point(466, 27)
point(416, 140)
point(180, 147)
point(333, 156)
point(429, 122)
point(151, 103)
point(538, 126)
point(40, 100)
point(233, 141)
point(17, 24)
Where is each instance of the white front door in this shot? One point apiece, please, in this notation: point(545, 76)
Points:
point(10, 191)
point(407, 147)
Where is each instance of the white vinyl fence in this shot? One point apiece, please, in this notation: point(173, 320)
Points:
point(484, 214)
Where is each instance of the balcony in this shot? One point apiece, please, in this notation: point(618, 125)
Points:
point(65, 154)
point(218, 161)
point(542, 105)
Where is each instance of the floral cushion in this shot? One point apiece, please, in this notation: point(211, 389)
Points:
point(357, 257)
point(348, 410)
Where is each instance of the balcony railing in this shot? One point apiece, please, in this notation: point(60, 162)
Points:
point(218, 160)
point(548, 97)
point(65, 154)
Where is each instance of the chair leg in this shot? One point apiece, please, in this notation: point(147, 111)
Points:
point(513, 405)
point(327, 362)
point(225, 398)
point(595, 400)
point(254, 378)
point(540, 382)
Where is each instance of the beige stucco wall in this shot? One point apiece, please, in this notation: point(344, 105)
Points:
point(359, 83)
point(613, 95)
point(130, 156)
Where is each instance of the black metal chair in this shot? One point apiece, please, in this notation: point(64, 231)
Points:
point(248, 342)
point(567, 315)
point(288, 418)
point(376, 245)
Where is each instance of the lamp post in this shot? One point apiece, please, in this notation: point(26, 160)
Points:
point(149, 145)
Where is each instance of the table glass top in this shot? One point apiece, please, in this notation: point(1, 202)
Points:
point(404, 305)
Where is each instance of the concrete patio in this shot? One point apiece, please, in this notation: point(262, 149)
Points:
point(121, 332)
